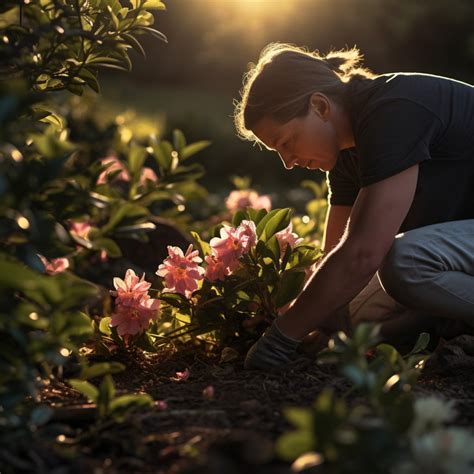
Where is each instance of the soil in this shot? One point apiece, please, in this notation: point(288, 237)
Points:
point(232, 431)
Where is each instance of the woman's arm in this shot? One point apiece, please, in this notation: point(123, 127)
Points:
point(334, 228)
point(336, 220)
point(374, 221)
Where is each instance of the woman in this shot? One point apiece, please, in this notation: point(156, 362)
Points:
point(398, 152)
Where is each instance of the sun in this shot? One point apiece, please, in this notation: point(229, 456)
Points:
point(258, 7)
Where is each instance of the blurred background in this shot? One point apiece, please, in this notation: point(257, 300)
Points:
point(191, 82)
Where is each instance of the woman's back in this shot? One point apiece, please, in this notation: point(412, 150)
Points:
point(451, 103)
point(400, 119)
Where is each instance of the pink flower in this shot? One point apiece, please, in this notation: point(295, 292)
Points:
point(103, 256)
point(227, 248)
point(248, 233)
point(134, 317)
point(114, 165)
point(181, 272)
point(80, 229)
point(182, 375)
point(234, 242)
point(161, 405)
point(208, 393)
point(288, 237)
point(263, 202)
point(240, 199)
point(131, 289)
point(147, 175)
point(134, 309)
point(216, 269)
point(55, 265)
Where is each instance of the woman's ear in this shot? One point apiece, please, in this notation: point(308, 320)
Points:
point(320, 105)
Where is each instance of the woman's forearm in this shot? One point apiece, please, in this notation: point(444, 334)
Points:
point(340, 276)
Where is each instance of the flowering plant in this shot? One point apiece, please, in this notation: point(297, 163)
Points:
point(256, 266)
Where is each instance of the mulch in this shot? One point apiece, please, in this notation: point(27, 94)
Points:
point(234, 430)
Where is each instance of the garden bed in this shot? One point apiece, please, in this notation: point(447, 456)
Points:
point(235, 429)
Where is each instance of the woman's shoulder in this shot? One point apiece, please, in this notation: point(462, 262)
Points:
point(412, 91)
point(412, 84)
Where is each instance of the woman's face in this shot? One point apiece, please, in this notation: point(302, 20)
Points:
point(310, 141)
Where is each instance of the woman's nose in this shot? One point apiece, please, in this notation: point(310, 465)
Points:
point(288, 160)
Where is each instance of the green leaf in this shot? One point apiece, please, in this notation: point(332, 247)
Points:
point(154, 32)
point(120, 211)
point(106, 394)
point(123, 405)
point(162, 155)
point(86, 388)
point(50, 116)
point(112, 249)
point(154, 5)
point(274, 247)
point(290, 285)
point(302, 418)
point(76, 89)
point(263, 222)
point(256, 215)
point(366, 335)
point(104, 326)
point(174, 299)
point(147, 198)
point(238, 217)
point(90, 78)
point(179, 141)
point(100, 369)
point(135, 43)
point(185, 173)
point(136, 158)
point(421, 344)
point(273, 222)
point(389, 352)
point(193, 148)
point(115, 20)
point(293, 444)
point(135, 228)
point(204, 247)
point(146, 343)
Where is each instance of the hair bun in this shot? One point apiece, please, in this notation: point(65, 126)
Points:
point(344, 61)
point(335, 63)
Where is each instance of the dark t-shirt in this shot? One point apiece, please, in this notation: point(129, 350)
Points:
point(398, 120)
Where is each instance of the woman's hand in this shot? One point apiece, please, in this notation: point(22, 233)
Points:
point(259, 319)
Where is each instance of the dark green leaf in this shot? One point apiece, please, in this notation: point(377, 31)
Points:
point(100, 369)
point(86, 388)
point(193, 148)
point(290, 285)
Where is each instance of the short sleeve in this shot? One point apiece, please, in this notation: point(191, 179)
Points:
point(394, 136)
point(343, 179)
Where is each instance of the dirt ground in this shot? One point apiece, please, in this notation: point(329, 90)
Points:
point(233, 429)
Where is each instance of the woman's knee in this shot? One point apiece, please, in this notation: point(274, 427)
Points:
point(396, 272)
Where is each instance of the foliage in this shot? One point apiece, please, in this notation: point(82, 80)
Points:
point(312, 224)
point(41, 323)
point(49, 46)
point(108, 405)
point(59, 44)
point(260, 278)
point(372, 437)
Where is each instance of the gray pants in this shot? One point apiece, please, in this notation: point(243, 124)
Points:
point(427, 276)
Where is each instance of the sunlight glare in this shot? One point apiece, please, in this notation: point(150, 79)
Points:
point(257, 8)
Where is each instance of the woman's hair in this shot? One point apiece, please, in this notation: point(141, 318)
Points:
point(281, 83)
